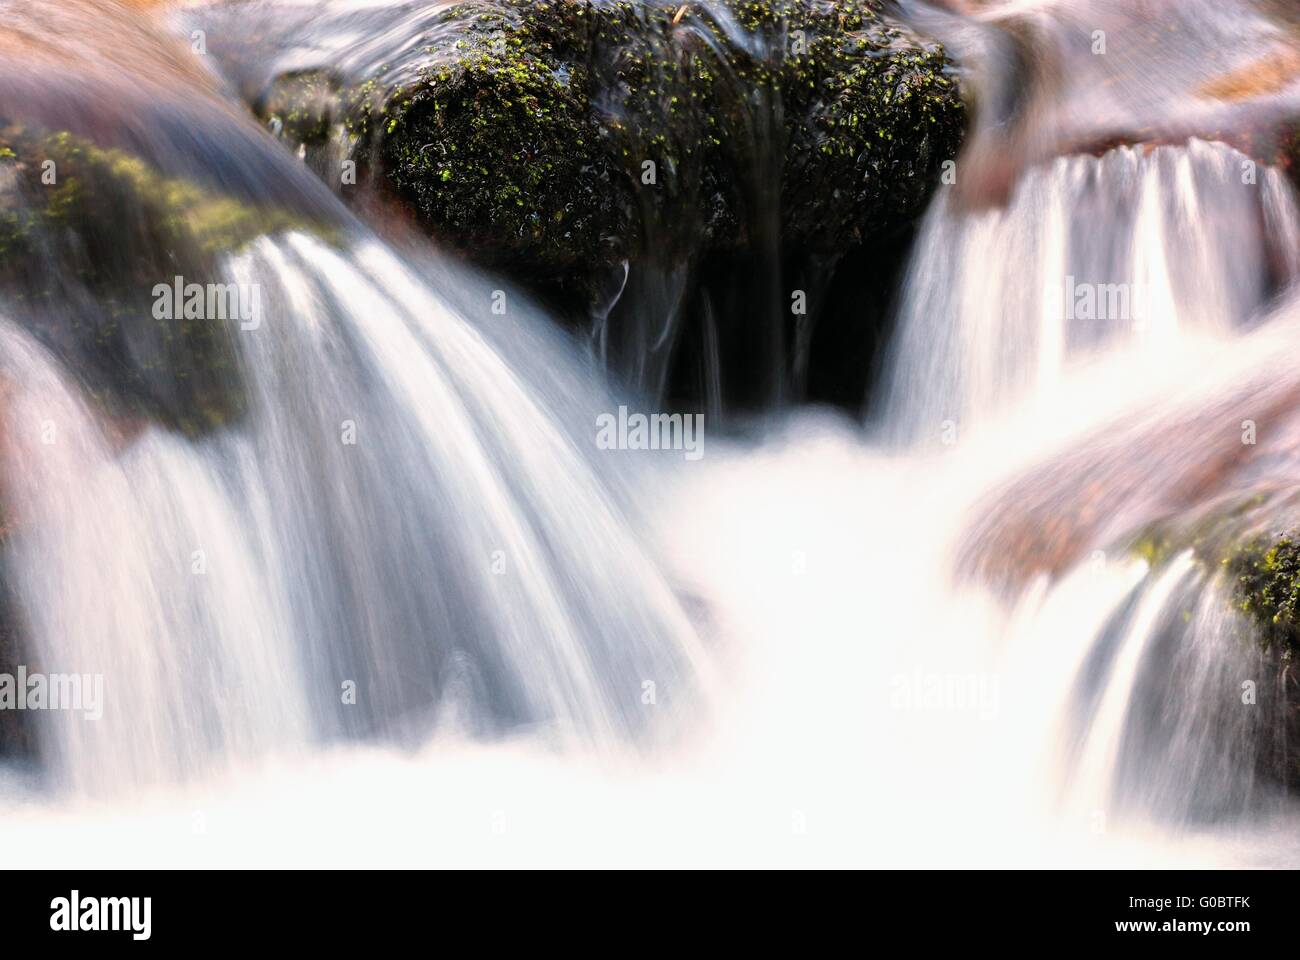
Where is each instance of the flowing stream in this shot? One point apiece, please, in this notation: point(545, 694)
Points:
point(406, 612)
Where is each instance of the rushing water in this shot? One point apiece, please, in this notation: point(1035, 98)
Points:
point(787, 652)
point(399, 516)
point(1125, 252)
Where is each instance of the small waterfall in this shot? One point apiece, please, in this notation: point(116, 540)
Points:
point(102, 572)
point(1158, 723)
point(387, 546)
point(1128, 252)
point(1094, 349)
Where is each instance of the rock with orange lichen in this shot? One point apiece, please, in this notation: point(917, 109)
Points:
point(1270, 74)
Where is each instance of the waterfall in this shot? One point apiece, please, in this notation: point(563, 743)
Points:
point(394, 588)
point(1093, 350)
point(1132, 251)
point(1086, 427)
point(406, 529)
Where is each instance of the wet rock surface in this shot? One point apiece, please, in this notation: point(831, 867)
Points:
point(603, 150)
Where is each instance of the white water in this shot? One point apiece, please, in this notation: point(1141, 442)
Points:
point(1167, 245)
point(829, 610)
point(464, 554)
point(827, 692)
point(831, 617)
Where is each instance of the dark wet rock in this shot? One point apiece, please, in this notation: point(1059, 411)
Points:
point(523, 132)
point(17, 738)
point(605, 151)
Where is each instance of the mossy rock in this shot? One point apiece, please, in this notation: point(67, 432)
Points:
point(1238, 537)
point(1265, 574)
point(524, 135)
point(499, 152)
point(86, 234)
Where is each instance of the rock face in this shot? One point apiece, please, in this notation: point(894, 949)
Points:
point(598, 147)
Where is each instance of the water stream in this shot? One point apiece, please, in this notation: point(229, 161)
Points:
point(405, 611)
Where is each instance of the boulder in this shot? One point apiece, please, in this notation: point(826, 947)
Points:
point(598, 148)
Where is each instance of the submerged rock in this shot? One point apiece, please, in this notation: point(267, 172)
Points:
point(87, 236)
point(122, 167)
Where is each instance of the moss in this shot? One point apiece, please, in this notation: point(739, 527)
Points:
point(499, 151)
point(300, 106)
point(1239, 538)
point(80, 257)
point(1155, 546)
point(1265, 573)
point(522, 137)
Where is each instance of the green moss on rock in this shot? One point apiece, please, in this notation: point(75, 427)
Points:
point(526, 135)
point(301, 106)
point(85, 236)
point(1265, 573)
point(498, 150)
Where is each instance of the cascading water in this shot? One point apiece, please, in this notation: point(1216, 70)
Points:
point(413, 503)
point(397, 520)
point(1130, 251)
